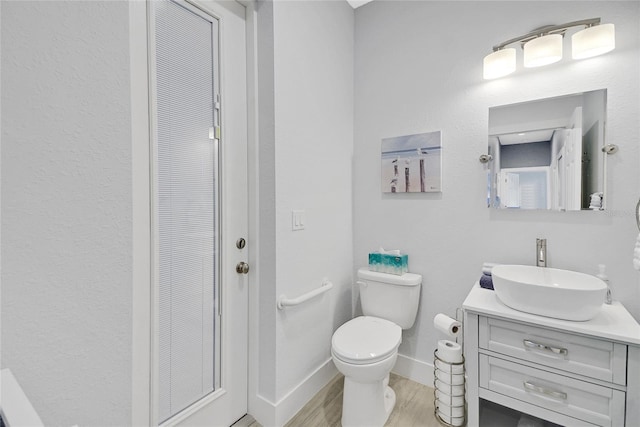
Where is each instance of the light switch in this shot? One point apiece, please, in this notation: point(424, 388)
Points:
point(297, 220)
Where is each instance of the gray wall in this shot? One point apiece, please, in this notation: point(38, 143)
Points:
point(66, 208)
point(419, 69)
point(525, 155)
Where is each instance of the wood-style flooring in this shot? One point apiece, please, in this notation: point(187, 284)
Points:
point(414, 406)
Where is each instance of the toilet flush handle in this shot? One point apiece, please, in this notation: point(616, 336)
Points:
point(361, 283)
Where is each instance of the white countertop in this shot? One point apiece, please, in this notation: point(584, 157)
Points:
point(613, 322)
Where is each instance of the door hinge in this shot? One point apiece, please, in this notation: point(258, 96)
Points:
point(214, 133)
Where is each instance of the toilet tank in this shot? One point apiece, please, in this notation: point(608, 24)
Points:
point(389, 296)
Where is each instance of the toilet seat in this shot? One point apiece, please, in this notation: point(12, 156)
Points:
point(366, 340)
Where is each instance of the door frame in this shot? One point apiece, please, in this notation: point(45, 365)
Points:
point(142, 377)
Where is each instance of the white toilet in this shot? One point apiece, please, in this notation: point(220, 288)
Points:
point(365, 348)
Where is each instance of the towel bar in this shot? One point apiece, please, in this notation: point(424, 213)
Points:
point(283, 301)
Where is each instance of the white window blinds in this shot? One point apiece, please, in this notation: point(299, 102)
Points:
point(186, 214)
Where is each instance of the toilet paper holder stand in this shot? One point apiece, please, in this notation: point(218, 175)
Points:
point(460, 318)
point(450, 386)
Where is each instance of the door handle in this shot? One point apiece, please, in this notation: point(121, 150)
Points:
point(242, 267)
point(555, 394)
point(543, 347)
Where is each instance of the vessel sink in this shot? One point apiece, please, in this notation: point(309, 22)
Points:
point(550, 292)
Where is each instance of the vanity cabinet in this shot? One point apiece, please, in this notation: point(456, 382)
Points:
point(567, 373)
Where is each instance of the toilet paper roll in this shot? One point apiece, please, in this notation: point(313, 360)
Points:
point(451, 390)
point(446, 324)
point(449, 378)
point(449, 410)
point(454, 421)
point(448, 399)
point(449, 351)
point(445, 367)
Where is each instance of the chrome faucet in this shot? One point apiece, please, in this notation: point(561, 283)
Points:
point(541, 252)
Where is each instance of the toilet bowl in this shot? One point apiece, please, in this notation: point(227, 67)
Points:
point(365, 348)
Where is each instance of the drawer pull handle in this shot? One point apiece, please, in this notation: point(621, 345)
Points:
point(543, 347)
point(544, 391)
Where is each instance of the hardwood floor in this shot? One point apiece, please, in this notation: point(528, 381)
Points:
point(414, 406)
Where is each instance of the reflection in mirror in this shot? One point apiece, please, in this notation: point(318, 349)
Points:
point(547, 154)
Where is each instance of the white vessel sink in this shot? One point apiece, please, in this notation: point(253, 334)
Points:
point(550, 292)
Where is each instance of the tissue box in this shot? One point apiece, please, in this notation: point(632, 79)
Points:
point(391, 264)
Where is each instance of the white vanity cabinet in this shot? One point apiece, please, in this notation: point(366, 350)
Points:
point(564, 372)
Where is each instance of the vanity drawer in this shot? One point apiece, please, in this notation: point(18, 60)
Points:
point(590, 357)
point(579, 399)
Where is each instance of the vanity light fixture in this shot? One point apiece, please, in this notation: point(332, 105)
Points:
point(543, 46)
point(593, 41)
point(543, 50)
point(499, 63)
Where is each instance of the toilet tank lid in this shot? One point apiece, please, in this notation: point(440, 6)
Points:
point(407, 279)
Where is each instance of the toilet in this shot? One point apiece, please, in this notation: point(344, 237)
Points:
point(365, 348)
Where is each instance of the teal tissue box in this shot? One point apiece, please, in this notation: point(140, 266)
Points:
point(391, 264)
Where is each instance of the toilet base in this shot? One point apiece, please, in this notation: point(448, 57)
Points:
point(389, 401)
point(367, 404)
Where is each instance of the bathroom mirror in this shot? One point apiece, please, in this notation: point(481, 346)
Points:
point(547, 153)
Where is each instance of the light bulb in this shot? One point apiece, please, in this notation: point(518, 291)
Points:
point(499, 63)
point(593, 41)
point(543, 50)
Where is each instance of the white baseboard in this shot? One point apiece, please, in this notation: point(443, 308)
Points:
point(295, 400)
point(416, 370)
point(276, 415)
point(271, 414)
point(262, 410)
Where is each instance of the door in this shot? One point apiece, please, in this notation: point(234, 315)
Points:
point(573, 162)
point(509, 189)
point(199, 179)
point(561, 189)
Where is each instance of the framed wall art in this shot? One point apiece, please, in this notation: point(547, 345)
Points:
point(412, 163)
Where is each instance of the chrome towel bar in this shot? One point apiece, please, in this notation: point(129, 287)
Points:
point(283, 301)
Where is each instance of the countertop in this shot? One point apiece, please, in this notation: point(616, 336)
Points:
point(613, 322)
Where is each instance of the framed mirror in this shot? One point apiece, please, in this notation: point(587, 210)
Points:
point(547, 154)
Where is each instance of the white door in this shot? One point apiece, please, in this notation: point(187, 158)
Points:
point(509, 189)
point(199, 134)
point(573, 161)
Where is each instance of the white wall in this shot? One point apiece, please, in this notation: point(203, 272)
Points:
point(263, 290)
point(419, 69)
point(306, 140)
point(66, 208)
point(314, 134)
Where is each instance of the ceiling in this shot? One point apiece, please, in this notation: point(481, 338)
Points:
point(526, 137)
point(357, 3)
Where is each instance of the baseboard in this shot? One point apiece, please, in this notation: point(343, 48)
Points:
point(295, 400)
point(271, 414)
point(416, 370)
point(262, 410)
point(276, 415)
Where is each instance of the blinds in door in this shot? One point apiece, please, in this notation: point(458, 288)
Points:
point(186, 211)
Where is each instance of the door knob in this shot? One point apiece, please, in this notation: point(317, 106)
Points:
point(242, 268)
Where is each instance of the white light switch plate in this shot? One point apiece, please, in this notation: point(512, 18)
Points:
point(297, 220)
